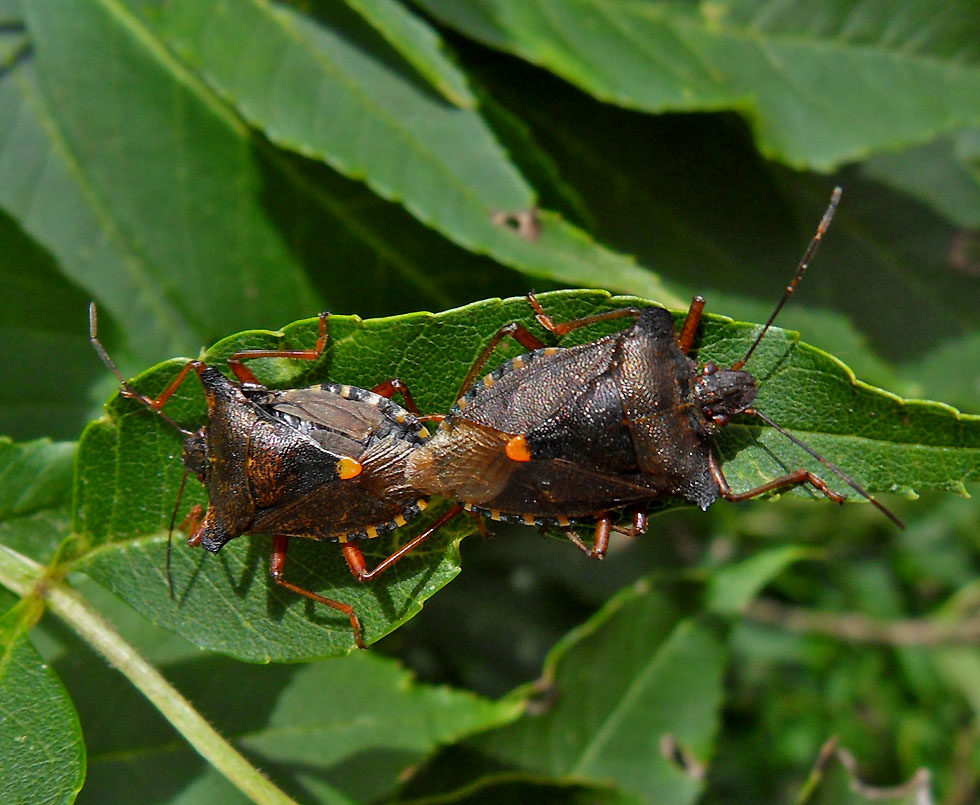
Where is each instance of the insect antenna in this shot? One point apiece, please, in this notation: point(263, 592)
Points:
point(127, 390)
point(170, 533)
point(801, 268)
point(847, 479)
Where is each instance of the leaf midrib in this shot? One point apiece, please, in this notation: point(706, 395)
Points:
point(616, 715)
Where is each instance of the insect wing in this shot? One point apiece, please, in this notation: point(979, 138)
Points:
point(326, 428)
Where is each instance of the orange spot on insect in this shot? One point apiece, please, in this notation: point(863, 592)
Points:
point(517, 449)
point(348, 468)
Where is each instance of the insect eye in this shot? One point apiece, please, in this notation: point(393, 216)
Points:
point(720, 419)
point(709, 368)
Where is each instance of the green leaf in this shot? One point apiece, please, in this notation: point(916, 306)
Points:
point(937, 174)
point(820, 86)
point(631, 678)
point(381, 707)
point(729, 226)
point(229, 603)
point(35, 495)
point(517, 788)
point(128, 470)
point(180, 221)
point(732, 588)
point(13, 39)
point(34, 476)
point(535, 162)
point(343, 730)
point(959, 666)
point(163, 267)
point(950, 371)
point(324, 87)
point(9, 12)
point(419, 45)
point(46, 365)
point(42, 755)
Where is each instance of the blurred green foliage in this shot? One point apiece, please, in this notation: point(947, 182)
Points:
point(202, 167)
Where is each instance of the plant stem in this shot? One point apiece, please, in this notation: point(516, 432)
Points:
point(856, 628)
point(18, 573)
point(26, 577)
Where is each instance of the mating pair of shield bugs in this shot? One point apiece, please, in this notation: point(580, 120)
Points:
point(554, 436)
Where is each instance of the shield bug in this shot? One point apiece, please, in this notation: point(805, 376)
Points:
point(558, 435)
point(325, 462)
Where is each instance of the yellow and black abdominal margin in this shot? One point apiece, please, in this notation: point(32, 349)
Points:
point(373, 437)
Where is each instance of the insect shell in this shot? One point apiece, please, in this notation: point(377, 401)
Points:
point(325, 462)
point(559, 434)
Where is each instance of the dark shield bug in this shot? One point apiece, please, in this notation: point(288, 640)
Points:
point(558, 435)
point(325, 462)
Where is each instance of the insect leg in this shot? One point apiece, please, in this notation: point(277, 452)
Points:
point(276, 564)
point(794, 478)
point(155, 404)
point(170, 531)
point(562, 328)
point(395, 385)
point(528, 340)
point(573, 538)
point(603, 529)
point(514, 330)
point(392, 387)
point(192, 522)
point(355, 559)
point(481, 525)
point(244, 374)
point(830, 466)
point(686, 338)
point(600, 541)
point(639, 525)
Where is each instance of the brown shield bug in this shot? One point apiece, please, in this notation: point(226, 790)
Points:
point(557, 435)
point(325, 462)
